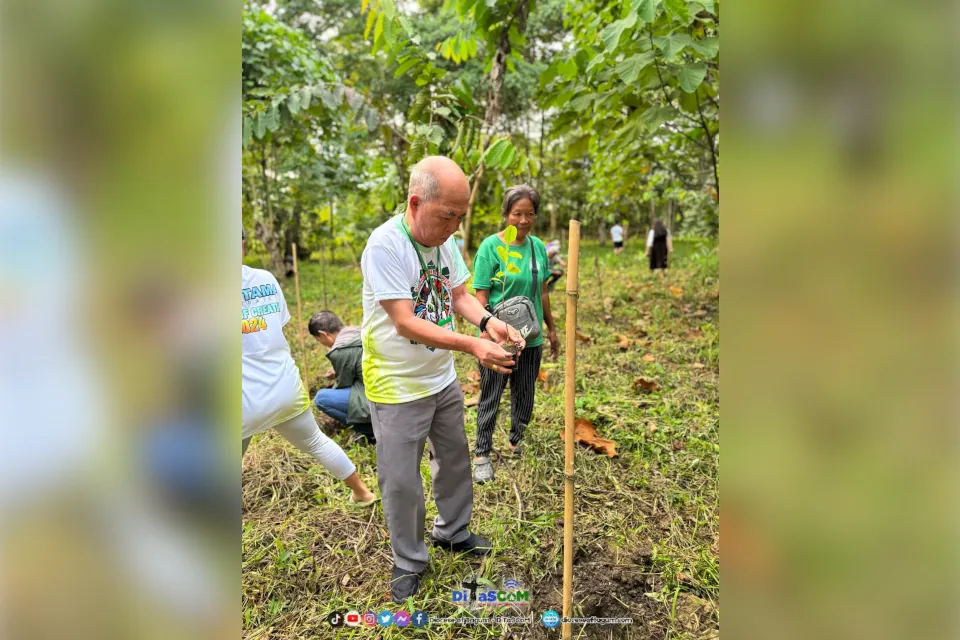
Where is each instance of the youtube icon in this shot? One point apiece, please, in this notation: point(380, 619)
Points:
point(353, 619)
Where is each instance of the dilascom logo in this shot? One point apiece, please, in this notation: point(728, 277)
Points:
point(472, 594)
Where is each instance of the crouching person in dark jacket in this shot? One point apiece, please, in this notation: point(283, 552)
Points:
point(347, 402)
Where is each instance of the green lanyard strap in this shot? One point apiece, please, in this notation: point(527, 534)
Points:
point(426, 272)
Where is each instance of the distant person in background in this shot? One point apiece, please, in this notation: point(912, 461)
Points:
point(272, 391)
point(616, 234)
point(347, 402)
point(556, 264)
point(659, 246)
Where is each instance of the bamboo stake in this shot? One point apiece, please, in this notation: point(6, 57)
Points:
point(303, 347)
point(570, 329)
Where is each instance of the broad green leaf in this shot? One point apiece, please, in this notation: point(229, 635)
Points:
point(272, 118)
point(582, 102)
point(629, 69)
point(656, 116)
point(688, 102)
point(494, 153)
point(293, 102)
point(611, 34)
point(363, 6)
point(672, 45)
point(579, 147)
point(371, 20)
point(512, 268)
point(707, 5)
point(568, 68)
point(691, 75)
point(508, 157)
point(708, 47)
point(406, 66)
point(515, 254)
point(679, 10)
point(502, 253)
point(464, 49)
point(378, 31)
point(598, 60)
point(247, 131)
point(306, 97)
point(509, 234)
point(259, 125)
point(646, 9)
point(327, 98)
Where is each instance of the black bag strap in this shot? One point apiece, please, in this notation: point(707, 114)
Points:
point(533, 253)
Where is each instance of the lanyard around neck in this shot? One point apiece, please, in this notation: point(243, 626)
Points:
point(426, 272)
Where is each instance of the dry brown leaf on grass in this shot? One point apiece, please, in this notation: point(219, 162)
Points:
point(649, 358)
point(474, 375)
point(542, 376)
point(697, 365)
point(676, 291)
point(471, 402)
point(608, 304)
point(470, 388)
point(646, 385)
point(346, 580)
point(583, 338)
point(585, 433)
point(623, 342)
point(652, 427)
point(693, 334)
point(678, 446)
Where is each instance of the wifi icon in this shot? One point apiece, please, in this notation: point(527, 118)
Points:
point(510, 584)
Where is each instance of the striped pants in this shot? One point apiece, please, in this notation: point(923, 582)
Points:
point(523, 380)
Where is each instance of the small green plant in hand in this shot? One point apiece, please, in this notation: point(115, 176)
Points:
point(509, 235)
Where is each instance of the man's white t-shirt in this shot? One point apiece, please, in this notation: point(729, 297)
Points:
point(272, 389)
point(616, 232)
point(395, 369)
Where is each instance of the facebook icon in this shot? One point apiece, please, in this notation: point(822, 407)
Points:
point(419, 619)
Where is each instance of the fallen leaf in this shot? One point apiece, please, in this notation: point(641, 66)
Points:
point(697, 365)
point(652, 427)
point(646, 385)
point(715, 293)
point(624, 342)
point(474, 375)
point(584, 338)
point(608, 318)
point(700, 312)
point(649, 358)
point(678, 446)
point(677, 292)
point(345, 581)
point(693, 334)
point(470, 388)
point(542, 376)
point(608, 303)
point(585, 433)
point(471, 402)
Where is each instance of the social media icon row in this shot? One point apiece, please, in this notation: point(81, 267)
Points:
point(384, 619)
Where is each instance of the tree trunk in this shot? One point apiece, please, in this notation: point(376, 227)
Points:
point(498, 69)
point(653, 212)
point(333, 208)
point(553, 220)
point(602, 231)
point(266, 232)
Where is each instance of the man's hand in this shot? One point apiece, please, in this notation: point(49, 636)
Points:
point(554, 344)
point(500, 331)
point(492, 356)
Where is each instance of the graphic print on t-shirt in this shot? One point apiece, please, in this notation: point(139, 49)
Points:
point(253, 319)
point(433, 306)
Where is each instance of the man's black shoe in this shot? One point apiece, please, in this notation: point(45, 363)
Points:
point(403, 584)
point(474, 545)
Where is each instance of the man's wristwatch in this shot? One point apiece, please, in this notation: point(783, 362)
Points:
point(484, 321)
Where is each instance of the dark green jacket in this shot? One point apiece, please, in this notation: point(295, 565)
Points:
point(347, 360)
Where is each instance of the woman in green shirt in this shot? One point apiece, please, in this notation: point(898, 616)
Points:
point(520, 207)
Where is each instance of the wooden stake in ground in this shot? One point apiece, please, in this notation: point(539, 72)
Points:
point(303, 347)
point(570, 329)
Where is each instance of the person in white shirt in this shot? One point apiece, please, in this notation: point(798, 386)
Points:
point(414, 278)
point(616, 234)
point(273, 394)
